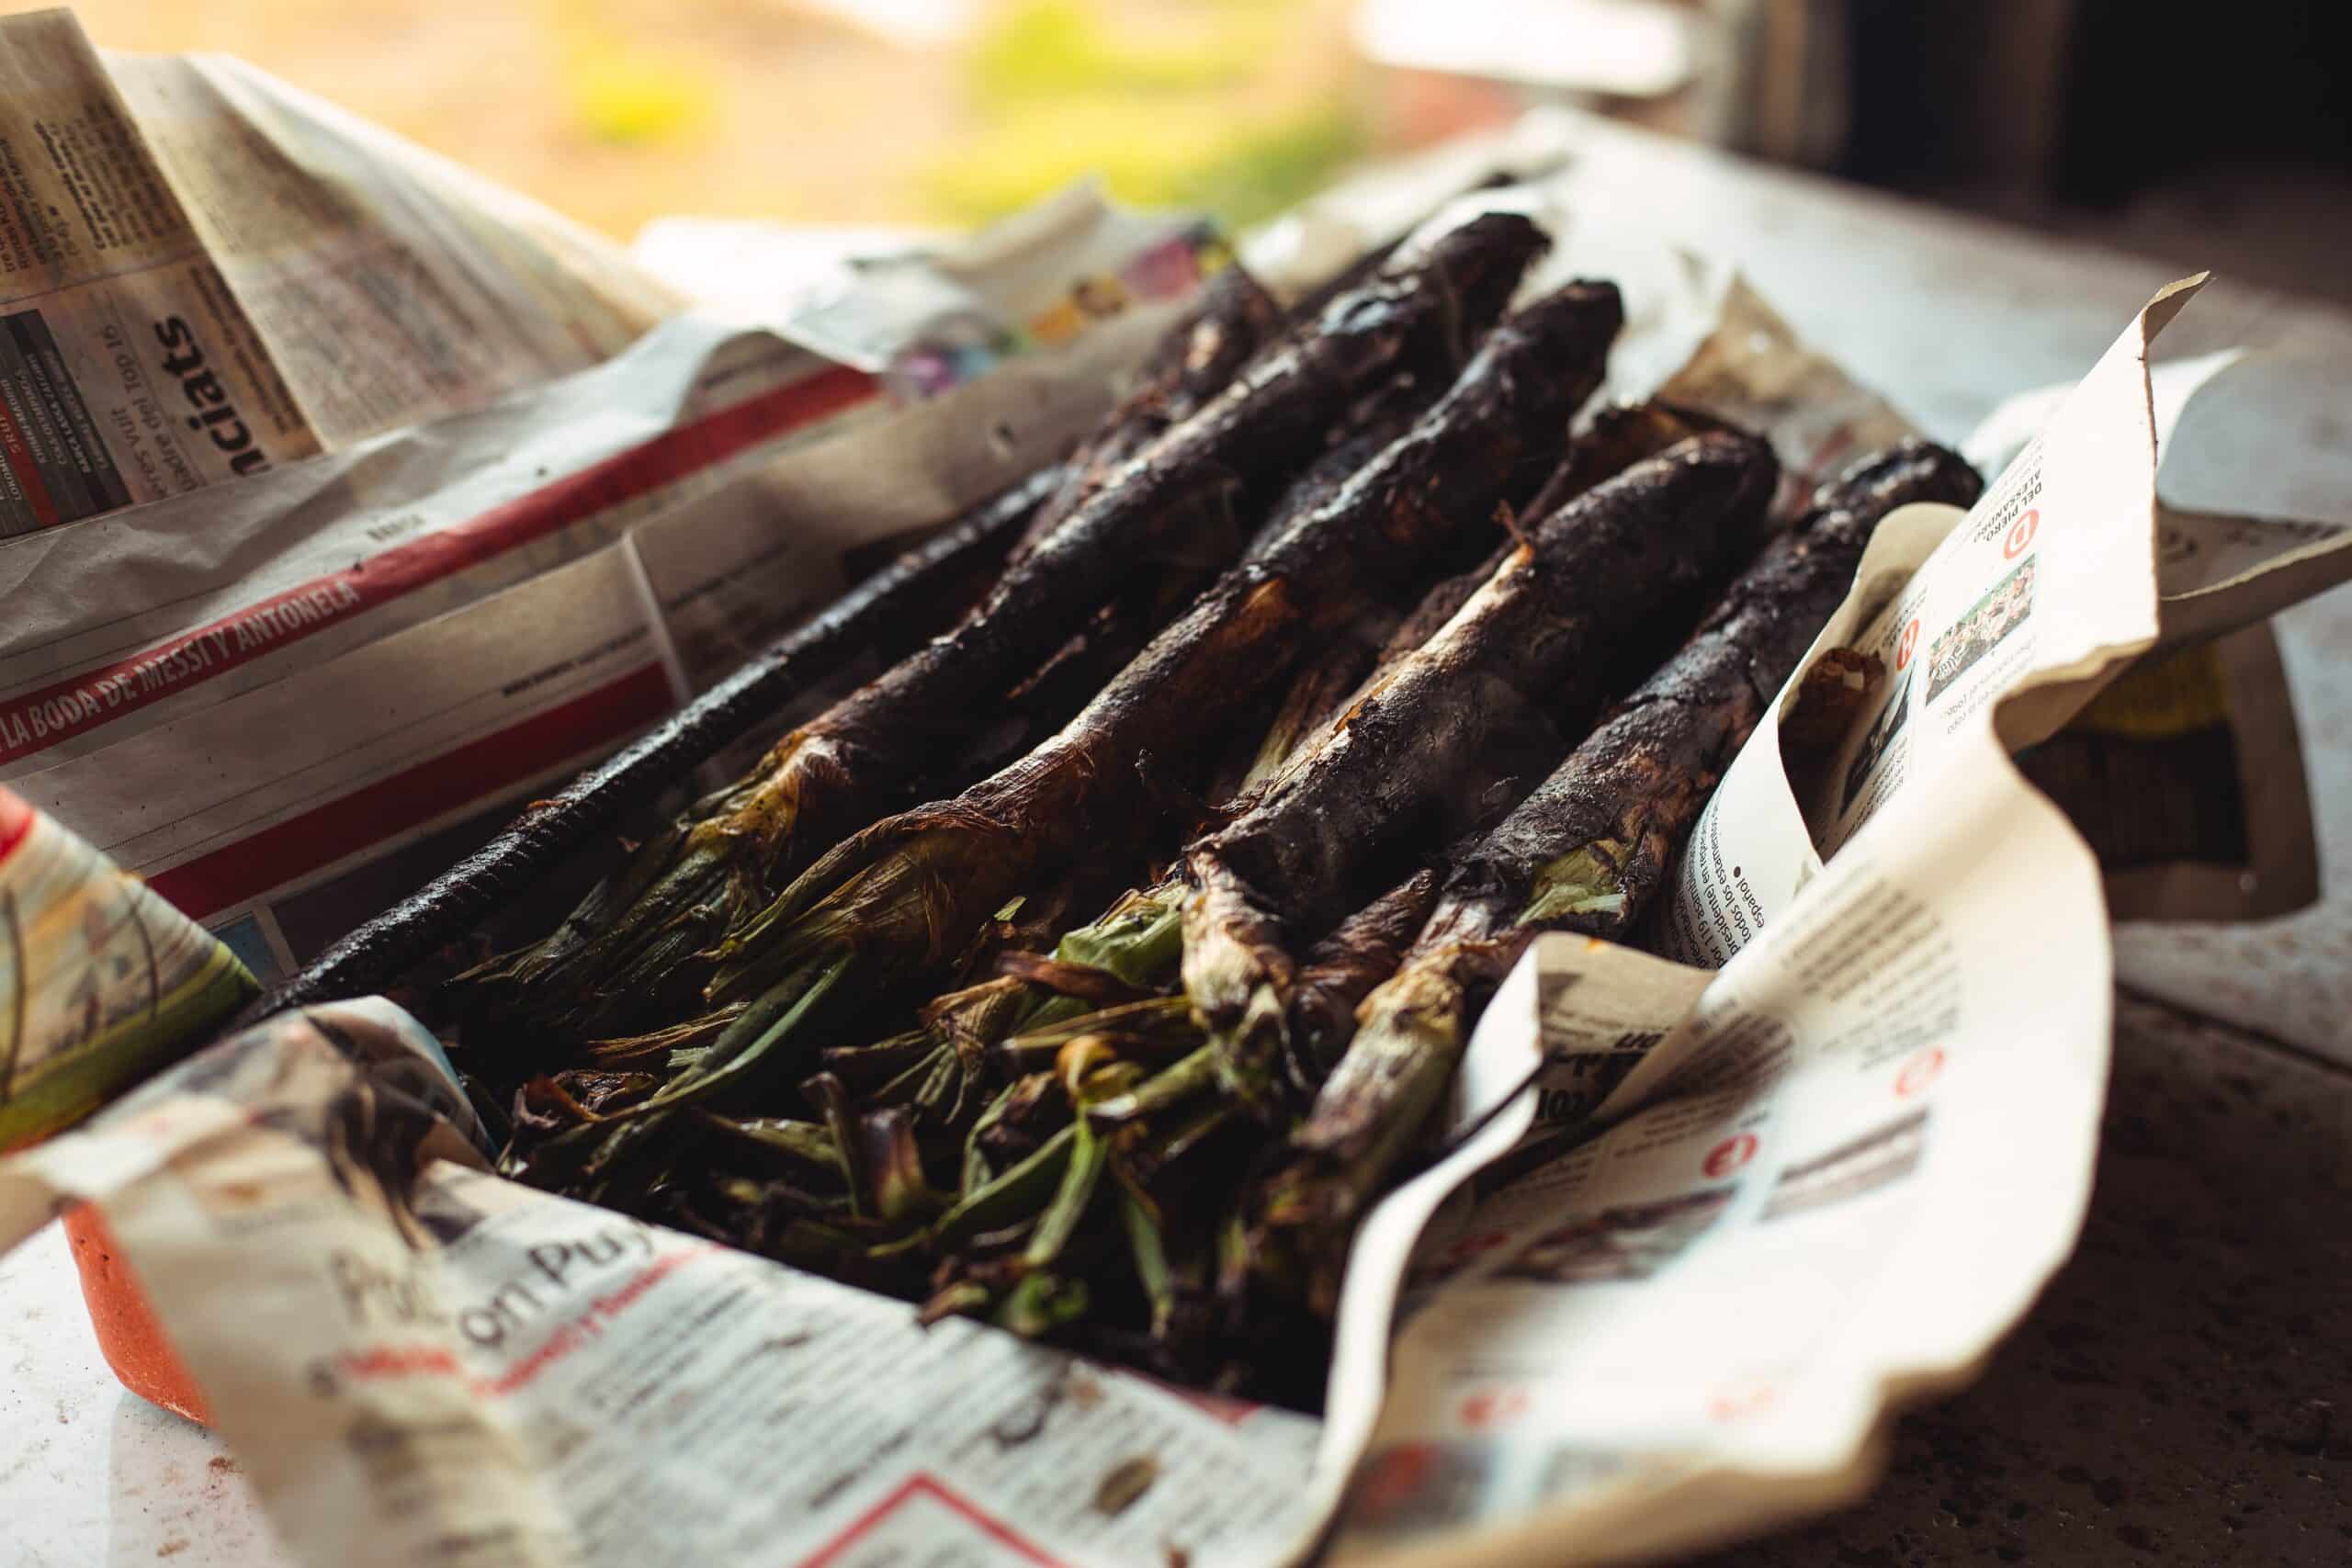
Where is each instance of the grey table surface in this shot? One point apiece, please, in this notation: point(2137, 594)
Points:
point(2181, 1396)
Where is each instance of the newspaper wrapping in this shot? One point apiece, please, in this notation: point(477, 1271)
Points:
point(2182, 774)
point(1664, 1293)
point(1832, 1172)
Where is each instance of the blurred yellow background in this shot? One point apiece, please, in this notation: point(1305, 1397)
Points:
point(852, 111)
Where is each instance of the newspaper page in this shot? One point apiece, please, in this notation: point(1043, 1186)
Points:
point(351, 671)
point(1840, 1179)
point(390, 287)
point(205, 275)
point(434, 1366)
point(101, 981)
point(129, 371)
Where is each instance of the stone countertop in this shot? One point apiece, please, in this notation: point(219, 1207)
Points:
point(90, 1473)
point(2183, 1394)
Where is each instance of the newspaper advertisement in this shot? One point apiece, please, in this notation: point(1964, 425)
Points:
point(205, 275)
point(349, 669)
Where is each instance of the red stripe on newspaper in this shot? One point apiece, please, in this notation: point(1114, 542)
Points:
point(19, 454)
point(918, 1485)
point(40, 719)
point(16, 822)
point(398, 1361)
point(589, 1324)
point(477, 769)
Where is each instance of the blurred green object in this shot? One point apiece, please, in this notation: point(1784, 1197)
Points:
point(618, 90)
point(1058, 48)
point(1196, 117)
point(1274, 166)
point(1154, 157)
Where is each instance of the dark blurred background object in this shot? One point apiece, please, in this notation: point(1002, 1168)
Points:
point(2220, 134)
point(2215, 136)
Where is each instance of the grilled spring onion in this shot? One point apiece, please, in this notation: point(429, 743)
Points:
point(635, 940)
point(892, 894)
point(1586, 852)
point(1184, 1254)
point(643, 945)
point(1133, 949)
point(1047, 971)
point(1535, 641)
point(900, 897)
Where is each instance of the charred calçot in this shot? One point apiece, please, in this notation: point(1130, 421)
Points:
point(1046, 971)
point(901, 897)
point(1334, 783)
point(637, 944)
point(1587, 851)
point(889, 893)
point(1140, 1078)
point(643, 945)
point(1535, 641)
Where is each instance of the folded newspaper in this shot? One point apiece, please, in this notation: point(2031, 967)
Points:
point(1695, 1226)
